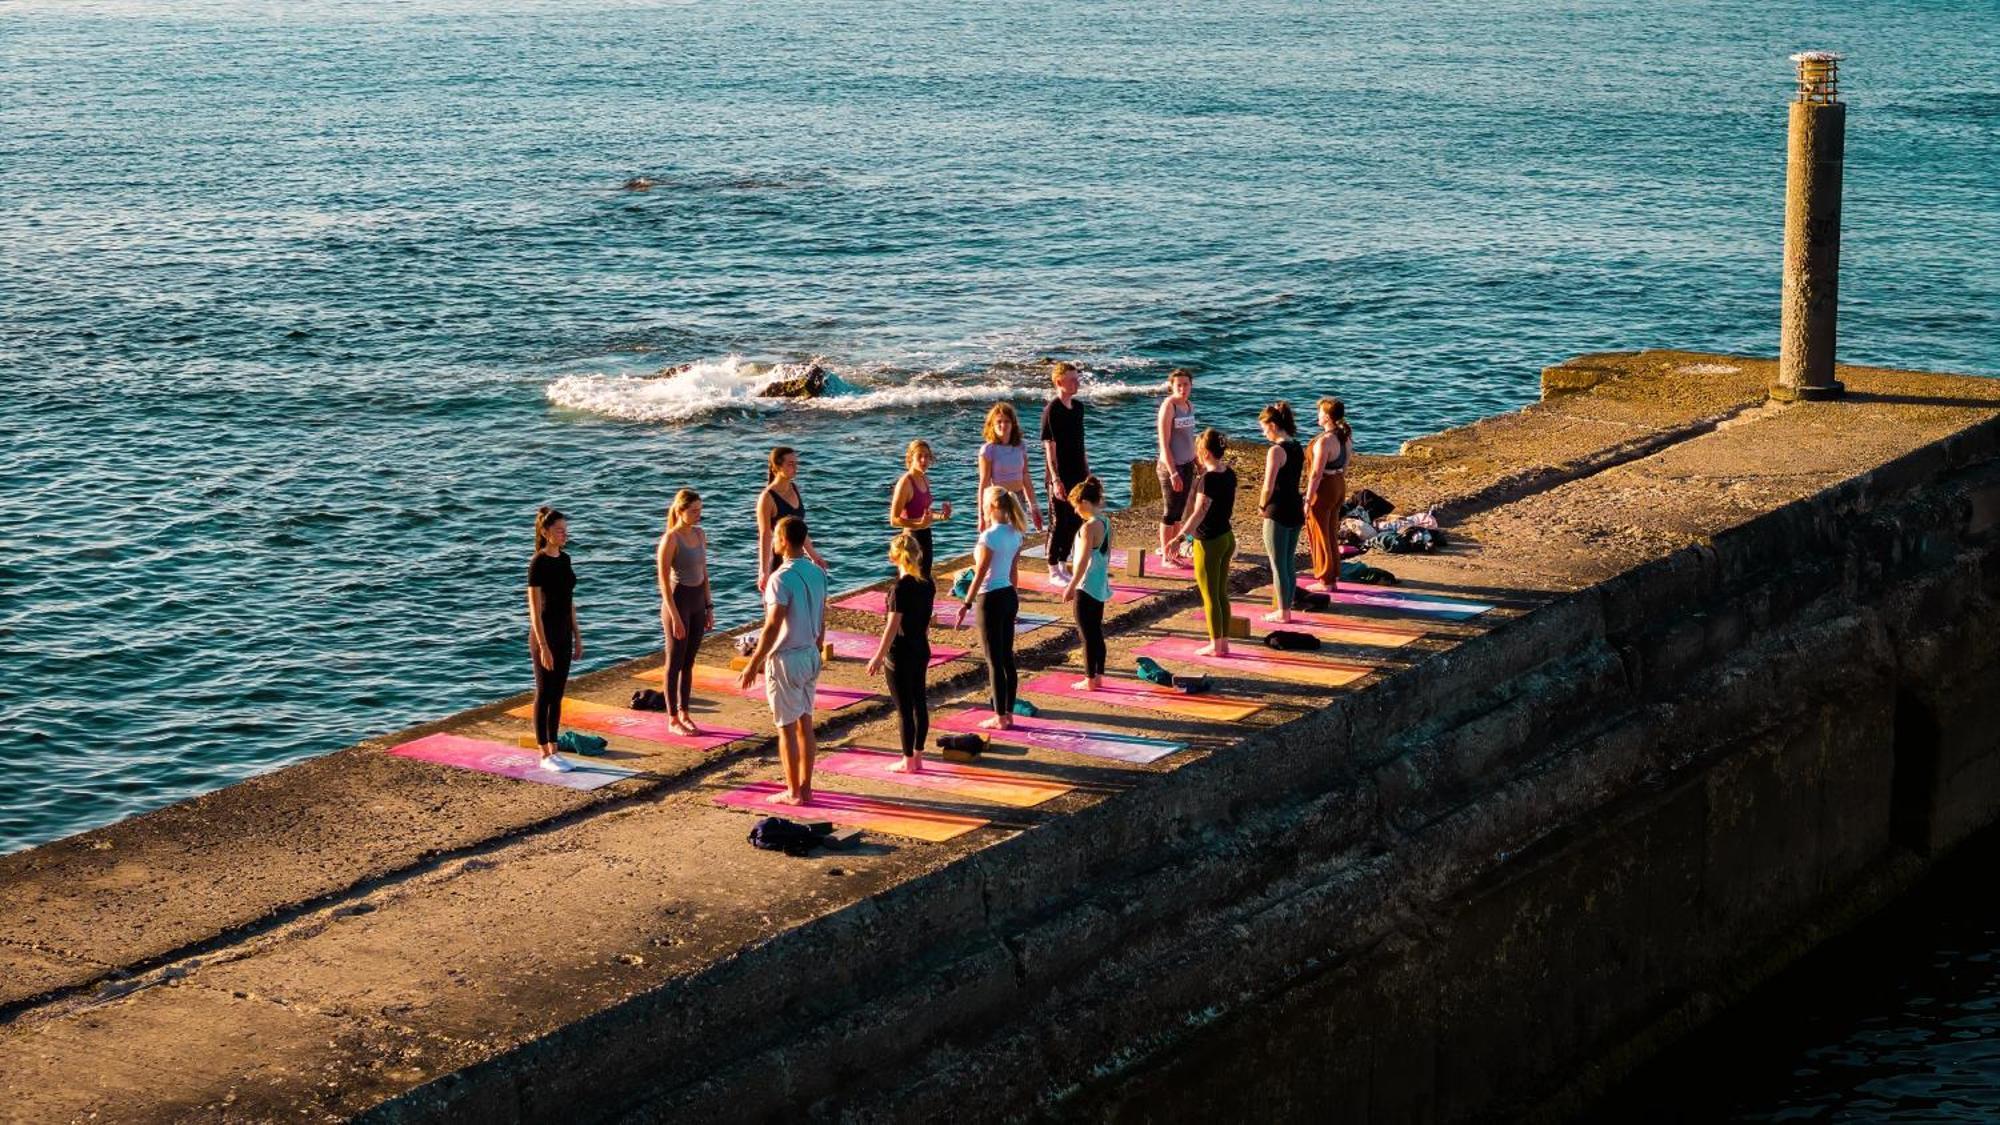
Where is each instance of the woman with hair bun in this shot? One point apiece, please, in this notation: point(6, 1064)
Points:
point(1326, 490)
point(1284, 509)
point(1089, 584)
point(681, 563)
point(554, 640)
point(1212, 504)
point(995, 583)
point(905, 648)
point(910, 506)
point(781, 498)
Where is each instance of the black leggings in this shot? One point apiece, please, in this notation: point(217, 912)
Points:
point(1090, 622)
point(691, 602)
point(549, 684)
point(923, 535)
point(908, 662)
point(997, 610)
point(1064, 523)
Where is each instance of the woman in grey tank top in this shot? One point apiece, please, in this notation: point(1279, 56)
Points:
point(685, 607)
point(1175, 430)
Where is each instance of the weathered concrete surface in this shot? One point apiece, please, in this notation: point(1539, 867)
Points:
point(1741, 683)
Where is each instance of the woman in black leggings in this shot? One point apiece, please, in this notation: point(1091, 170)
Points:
point(995, 577)
point(682, 564)
point(553, 637)
point(1089, 585)
point(905, 648)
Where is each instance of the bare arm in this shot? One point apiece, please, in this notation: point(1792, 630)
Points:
point(1034, 505)
point(1196, 510)
point(774, 621)
point(890, 631)
point(1273, 461)
point(663, 560)
point(766, 508)
point(899, 500)
point(985, 479)
point(1316, 468)
point(538, 645)
point(1092, 537)
point(982, 561)
point(1163, 428)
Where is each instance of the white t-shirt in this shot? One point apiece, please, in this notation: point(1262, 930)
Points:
point(1002, 543)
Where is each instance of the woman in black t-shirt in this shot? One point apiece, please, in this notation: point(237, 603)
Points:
point(1207, 526)
point(905, 648)
point(553, 637)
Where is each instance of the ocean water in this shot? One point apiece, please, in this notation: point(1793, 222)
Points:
point(305, 307)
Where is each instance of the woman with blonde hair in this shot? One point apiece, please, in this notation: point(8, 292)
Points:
point(1211, 505)
point(1326, 490)
point(1003, 462)
point(910, 506)
point(995, 578)
point(905, 648)
point(681, 564)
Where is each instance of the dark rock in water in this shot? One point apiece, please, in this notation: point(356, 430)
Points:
point(640, 183)
point(810, 383)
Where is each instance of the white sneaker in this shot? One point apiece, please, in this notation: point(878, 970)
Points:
point(556, 763)
point(1059, 575)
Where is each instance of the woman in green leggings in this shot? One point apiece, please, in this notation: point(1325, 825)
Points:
point(1207, 527)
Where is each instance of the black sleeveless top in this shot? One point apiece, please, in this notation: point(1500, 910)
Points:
point(1287, 507)
point(781, 510)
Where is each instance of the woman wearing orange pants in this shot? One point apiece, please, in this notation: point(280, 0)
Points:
point(1326, 490)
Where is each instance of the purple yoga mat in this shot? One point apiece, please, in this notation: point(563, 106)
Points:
point(861, 646)
point(1055, 734)
point(502, 760)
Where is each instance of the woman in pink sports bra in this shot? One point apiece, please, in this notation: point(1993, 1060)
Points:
point(910, 504)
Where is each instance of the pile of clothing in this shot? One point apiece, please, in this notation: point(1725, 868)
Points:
point(1365, 522)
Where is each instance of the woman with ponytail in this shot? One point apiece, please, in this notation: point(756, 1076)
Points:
point(995, 580)
point(681, 563)
point(553, 637)
point(1211, 507)
point(1284, 510)
point(905, 648)
point(780, 499)
point(1326, 490)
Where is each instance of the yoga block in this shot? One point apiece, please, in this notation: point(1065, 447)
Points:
point(1239, 628)
point(1135, 563)
point(826, 654)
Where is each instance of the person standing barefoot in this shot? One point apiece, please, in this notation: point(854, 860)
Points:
point(1174, 429)
point(788, 654)
point(1064, 465)
point(995, 577)
point(1326, 490)
point(905, 649)
point(1208, 527)
point(681, 564)
point(1284, 510)
point(1089, 584)
point(910, 506)
point(554, 639)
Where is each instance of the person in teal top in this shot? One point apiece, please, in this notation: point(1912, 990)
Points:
point(1090, 577)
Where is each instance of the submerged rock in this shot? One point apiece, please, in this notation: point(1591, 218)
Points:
point(784, 380)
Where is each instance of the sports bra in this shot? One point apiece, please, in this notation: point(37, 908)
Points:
point(918, 504)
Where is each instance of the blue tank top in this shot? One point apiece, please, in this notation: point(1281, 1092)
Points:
point(1096, 565)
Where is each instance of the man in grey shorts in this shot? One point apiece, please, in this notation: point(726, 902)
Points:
point(788, 655)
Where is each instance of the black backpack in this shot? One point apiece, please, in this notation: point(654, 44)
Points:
point(776, 834)
point(648, 699)
point(1291, 640)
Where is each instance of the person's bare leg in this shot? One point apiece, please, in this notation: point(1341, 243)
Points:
point(808, 745)
point(788, 758)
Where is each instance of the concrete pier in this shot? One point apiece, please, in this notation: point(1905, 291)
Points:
point(1739, 686)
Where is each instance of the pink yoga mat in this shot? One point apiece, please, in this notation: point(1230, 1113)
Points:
point(855, 811)
point(1122, 593)
point(1154, 569)
point(1124, 691)
point(1420, 605)
point(502, 760)
point(1055, 734)
point(1002, 787)
point(861, 646)
point(648, 726)
point(1252, 659)
point(1326, 626)
point(826, 697)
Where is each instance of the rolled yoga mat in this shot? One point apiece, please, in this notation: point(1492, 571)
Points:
point(1056, 734)
point(724, 681)
point(1127, 691)
point(1250, 659)
point(1325, 626)
point(502, 760)
point(1001, 787)
point(649, 726)
point(854, 811)
point(861, 646)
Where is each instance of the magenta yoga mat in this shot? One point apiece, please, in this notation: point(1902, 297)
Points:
point(861, 646)
point(502, 760)
point(1056, 734)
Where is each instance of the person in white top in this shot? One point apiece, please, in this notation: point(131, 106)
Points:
point(996, 574)
point(788, 654)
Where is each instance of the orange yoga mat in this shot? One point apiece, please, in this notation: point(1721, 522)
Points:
point(852, 810)
point(722, 681)
point(1002, 787)
point(649, 726)
point(1247, 658)
point(1325, 626)
point(1127, 691)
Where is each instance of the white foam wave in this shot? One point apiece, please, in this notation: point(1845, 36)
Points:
point(732, 383)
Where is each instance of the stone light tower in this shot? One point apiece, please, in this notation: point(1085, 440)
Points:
point(1814, 153)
